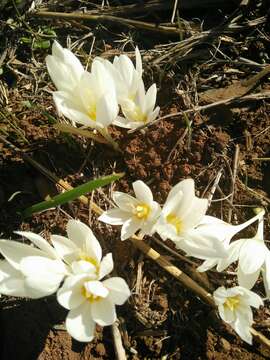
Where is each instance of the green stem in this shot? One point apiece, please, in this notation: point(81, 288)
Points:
point(105, 133)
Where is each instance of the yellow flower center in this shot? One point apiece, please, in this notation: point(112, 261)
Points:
point(176, 222)
point(89, 259)
point(90, 297)
point(142, 211)
point(92, 112)
point(232, 302)
point(138, 115)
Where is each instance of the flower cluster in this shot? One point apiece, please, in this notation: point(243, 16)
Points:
point(73, 266)
point(183, 220)
point(92, 99)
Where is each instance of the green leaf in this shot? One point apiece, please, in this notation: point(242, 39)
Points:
point(71, 194)
point(42, 44)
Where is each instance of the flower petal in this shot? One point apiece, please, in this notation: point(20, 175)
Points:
point(142, 192)
point(124, 201)
point(14, 252)
point(96, 288)
point(79, 323)
point(129, 228)
point(114, 216)
point(106, 266)
point(70, 295)
point(83, 237)
point(247, 280)
point(63, 245)
point(247, 261)
point(103, 312)
point(40, 242)
point(118, 290)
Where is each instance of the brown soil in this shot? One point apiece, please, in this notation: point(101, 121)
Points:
point(162, 320)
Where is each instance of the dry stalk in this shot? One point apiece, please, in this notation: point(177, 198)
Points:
point(235, 167)
point(233, 100)
point(167, 30)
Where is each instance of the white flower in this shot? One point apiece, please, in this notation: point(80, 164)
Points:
point(253, 257)
point(29, 271)
point(90, 302)
point(234, 306)
point(182, 212)
point(126, 77)
point(64, 68)
point(93, 102)
point(223, 233)
point(140, 109)
point(82, 251)
point(134, 214)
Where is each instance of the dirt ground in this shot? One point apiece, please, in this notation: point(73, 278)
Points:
point(162, 320)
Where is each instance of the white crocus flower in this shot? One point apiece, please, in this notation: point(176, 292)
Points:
point(93, 102)
point(90, 302)
point(126, 77)
point(82, 251)
point(30, 271)
point(234, 307)
point(139, 110)
point(182, 212)
point(133, 214)
point(253, 257)
point(64, 68)
point(211, 227)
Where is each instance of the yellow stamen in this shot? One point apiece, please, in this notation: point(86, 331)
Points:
point(138, 115)
point(142, 211)
point(92, 112)
point(89, 259)
point(232, 302)
point(90, 297)
point(176, 222)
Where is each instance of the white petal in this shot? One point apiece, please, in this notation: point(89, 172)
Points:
point(96, 288)
point(266, 274)
point(252, 256)
point(233, 255)
point(114, 216)
point(63, 245)
point(83, 237)
point(103, 312)
point(124, 201)
point(194, 213)
point(6, 270)
point(247, 280)
point(41, 265)
point(138, 61)
point(106, 266)
point(69, 108)
point(79, 323)
point(142, 192)
point(118, 290)
point(122, 122)
point(207, 264)
point(14, 252)
point(252, 299)
point(181, 195)
point(151, 96)
point(129, 228)
point(70, 295)
point(242, 328)
point(107, 110)
point(40, 242)
point(39, 286)
point(13, 287)
point(84, 267)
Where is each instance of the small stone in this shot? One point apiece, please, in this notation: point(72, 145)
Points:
point(225, 344)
